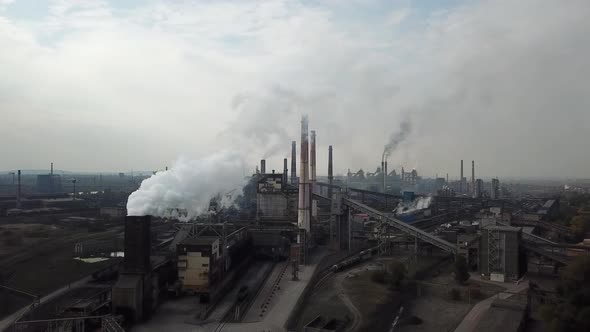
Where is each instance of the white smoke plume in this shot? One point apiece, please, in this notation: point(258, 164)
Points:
point(417, 204)
point(185, 190)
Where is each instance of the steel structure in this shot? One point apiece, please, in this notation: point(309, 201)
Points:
point(495, 260)
point(387, 221)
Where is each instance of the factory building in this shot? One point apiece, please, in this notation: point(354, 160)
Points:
point(478, 190)
point(495, 189)
point(499, 253)
point(198, 264)
point(132, 294)
point(276, 201)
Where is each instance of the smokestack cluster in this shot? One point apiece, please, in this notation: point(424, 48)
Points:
point(263, 166)
point(330, 171)
point(303, 219)
point(293, 162)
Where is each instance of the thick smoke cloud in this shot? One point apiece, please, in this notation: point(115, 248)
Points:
point(397, 137)
point(505, 83)
point(189, 186)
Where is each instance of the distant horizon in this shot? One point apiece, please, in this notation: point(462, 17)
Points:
point(149, 173)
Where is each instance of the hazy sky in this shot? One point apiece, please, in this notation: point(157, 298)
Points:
point(132, 84)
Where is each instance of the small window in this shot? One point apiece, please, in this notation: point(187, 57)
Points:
point(205, 265)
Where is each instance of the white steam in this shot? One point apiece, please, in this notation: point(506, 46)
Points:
point(185, 190)
point(417, 204)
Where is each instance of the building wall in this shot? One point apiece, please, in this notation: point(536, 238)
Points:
point(509, 254)
point(193, 271)
point(271, 205)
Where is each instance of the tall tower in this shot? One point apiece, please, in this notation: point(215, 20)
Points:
point(473, 178)
point(293, 162)
point(312, 162)
point(330, 171)
point(461, 179)
point(303, 219)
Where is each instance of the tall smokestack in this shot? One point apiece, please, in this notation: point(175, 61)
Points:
point(303, 219)
point(384, 170)
point(473, 177)
point(461, 178)
point(51, 169)
point(285, 171)
point(312, 162)
point(293, 162)
point(330, 171)
point(18, 190)
point(263, 166)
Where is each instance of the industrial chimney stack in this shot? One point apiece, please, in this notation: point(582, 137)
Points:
point(461, 179)
point(263, 166)
point(312, 163)
point(303, 219)
point(473, 178)
point(293, 162)
point(330, 171)
point(18, 191)
point(51, 173)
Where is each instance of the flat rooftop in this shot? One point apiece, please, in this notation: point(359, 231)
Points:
point(201, 240)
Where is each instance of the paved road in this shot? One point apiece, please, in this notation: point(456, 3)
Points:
point(470, 321)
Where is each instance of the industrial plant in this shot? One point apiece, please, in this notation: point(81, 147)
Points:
point(294, 251)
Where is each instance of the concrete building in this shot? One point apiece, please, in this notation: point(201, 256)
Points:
point(276, 202)
point(495, 189)
point(198, 264)
point(132, 294)
point(499, 253)
point(478, 190)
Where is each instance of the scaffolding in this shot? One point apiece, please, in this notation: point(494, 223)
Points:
point(495, 261)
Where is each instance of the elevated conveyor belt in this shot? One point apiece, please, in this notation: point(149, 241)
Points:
point(398, 224)
point(531, 243)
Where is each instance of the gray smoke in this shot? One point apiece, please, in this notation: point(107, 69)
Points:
point(397, 137)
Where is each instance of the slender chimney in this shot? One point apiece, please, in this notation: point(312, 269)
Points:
point(263, 166)
point(304, 201)
point(51, 169)
point(18, 190)
point(284, 171)
point(293, 162)
point(461, 179)
point(312, 162)
point(473, 177)
point(330, 171)
point(384, 170)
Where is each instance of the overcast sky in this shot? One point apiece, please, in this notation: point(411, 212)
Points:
point(134, 84)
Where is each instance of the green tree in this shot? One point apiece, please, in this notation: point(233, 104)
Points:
point(461, 271)
point(573, 312)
